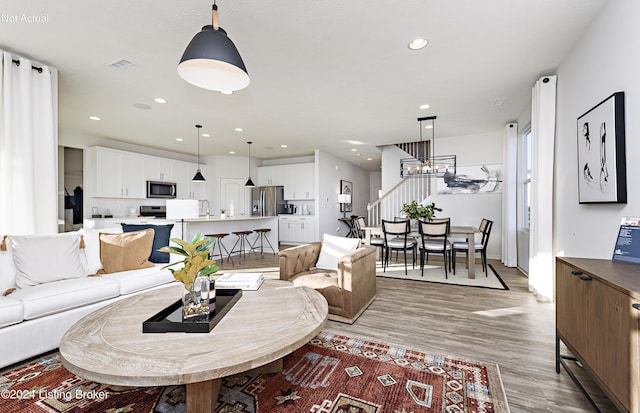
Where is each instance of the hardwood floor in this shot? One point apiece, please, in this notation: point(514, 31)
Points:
point(509, 328)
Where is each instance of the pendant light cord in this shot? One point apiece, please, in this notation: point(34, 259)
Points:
point(214, 16)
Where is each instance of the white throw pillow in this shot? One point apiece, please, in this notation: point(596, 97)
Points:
point(92, 245)
point(333, 248)
point(7, 269)
point(45, 258)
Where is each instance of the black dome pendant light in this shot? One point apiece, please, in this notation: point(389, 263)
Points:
point(211, 60)
point(198, 177)
point(249, 181)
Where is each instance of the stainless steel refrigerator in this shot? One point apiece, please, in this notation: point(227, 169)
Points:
point(267, 201)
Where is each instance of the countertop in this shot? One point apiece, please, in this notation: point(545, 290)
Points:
point(236, 218)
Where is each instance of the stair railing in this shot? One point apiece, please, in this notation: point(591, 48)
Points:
point(389, 205)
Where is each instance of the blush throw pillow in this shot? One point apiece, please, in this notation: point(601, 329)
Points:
point(126, 251)
point(333, 248)
point(41, 259)
point(160, 239)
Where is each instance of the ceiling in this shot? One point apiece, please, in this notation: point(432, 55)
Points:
point(323, 72)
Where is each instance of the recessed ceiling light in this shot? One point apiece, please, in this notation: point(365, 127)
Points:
point(206, 135)
point(283, 146)
point(232, 152)
point(355, 142)
point(418, 44)
point(499, 101)
point(160, 100)
point(238, 129)
point(95, 118)
point(353, 149)
point(179, 140)
point(425, 106)
point(358, 155)
point(369, 159)
point(429, 127)
point(227, 92)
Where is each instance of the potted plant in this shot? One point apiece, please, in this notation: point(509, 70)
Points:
point(414, 210)
point(194, 274)
point(222, 214)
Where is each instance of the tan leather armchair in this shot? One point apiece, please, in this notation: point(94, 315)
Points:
point(349, 291)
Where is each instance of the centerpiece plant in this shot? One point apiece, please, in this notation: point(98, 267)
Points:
point(415, 210)
point(194, 273)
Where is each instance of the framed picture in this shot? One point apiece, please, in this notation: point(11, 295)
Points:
point(602, 172)
point(472, 180)
point(346, 188)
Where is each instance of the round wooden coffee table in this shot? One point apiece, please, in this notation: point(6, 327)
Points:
point(108, 346)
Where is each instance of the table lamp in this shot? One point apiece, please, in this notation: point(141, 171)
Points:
point(342, 200)
point(182, 209)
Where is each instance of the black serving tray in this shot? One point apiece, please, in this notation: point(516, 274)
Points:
point(170, 319)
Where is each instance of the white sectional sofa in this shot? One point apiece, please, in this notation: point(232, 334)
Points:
point(33, 318)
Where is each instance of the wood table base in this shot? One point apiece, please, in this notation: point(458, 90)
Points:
point(202, 396)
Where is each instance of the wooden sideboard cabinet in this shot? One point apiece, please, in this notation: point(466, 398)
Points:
point(598, 319)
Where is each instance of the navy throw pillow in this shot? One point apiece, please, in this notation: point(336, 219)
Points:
point(161, 236)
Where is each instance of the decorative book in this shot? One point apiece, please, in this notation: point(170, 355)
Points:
point(248, 281)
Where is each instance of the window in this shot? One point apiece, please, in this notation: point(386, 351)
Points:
point(525, 158)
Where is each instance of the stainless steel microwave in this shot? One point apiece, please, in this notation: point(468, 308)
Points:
point(161, 189)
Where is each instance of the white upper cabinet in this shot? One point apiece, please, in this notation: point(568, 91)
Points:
point(270, 175)
point(117, 174)
point(112, 173)
point(299, 181)
point(158, 169)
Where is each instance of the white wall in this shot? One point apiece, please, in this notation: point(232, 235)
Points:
point(464, 209)
point(329, 171)
point(469, 209)
point(604, 61)
point(227, 167)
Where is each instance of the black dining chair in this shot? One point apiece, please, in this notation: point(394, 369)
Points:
point(433, 239)
point(396, 238)
point(481, 247)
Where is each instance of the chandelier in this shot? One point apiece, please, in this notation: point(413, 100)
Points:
point(425, 163)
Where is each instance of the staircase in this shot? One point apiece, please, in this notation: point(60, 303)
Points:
point(419, 149)
point(389, 205)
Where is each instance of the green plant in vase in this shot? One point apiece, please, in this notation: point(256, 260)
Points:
point(414, 210)
point(194, 274)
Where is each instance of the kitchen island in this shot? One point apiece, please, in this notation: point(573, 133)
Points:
point(215, 225)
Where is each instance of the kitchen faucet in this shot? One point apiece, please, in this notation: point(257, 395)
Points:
point(202, 206)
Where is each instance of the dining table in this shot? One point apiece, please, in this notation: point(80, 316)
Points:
point(469, 232)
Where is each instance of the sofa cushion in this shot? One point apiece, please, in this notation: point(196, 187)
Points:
point(316, 279)
point(137, 280)
point(11, 311)
point(161, 236)
point(126, 251)
point(333, 248)
point(92, 245)
point(57, 296)
point(46, 258)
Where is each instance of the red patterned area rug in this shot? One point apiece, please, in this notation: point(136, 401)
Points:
point(330, 374)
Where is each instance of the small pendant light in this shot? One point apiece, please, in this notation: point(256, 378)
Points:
point(198, 177)
point(249, 181)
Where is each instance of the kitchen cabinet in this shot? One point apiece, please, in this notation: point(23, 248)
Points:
point(299, 181)
point(117, 174)
point(158, 169)
point(270, 175)
point(598, 319)
point(297, 229)
point(185, 187)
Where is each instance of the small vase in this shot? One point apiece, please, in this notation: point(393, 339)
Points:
point(222, 216)
point(195, 301)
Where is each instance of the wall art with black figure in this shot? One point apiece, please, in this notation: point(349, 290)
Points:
point(346, 187)
point(602, 172)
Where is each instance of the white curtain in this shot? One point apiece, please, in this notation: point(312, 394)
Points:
point(543, 126)
point(28, 148)
point(509, 195)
